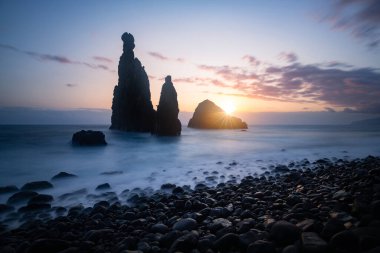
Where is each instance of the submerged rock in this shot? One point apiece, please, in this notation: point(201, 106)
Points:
point(208, 115)
point(63, 175)
point(89, 138)
point(132, 108)
point(37, 185)
point(167, 122)
point(8, 189)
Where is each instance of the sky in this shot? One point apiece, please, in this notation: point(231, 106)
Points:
point(260, 56)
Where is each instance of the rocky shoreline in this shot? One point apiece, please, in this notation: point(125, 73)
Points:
point(333, 207)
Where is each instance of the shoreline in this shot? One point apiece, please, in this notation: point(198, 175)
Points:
point(333, 207)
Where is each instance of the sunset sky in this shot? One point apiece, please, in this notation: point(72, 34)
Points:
point(262, 56)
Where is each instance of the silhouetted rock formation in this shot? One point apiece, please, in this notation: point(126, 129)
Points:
point(132, 108)
point(208, 115)
point(167, 122)
point(89, 138)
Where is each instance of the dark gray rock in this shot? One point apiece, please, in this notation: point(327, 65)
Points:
point(4, 208)
point(261, 246)
point(21, 196)
point(95, 235)
point(48, 245)
point(332, 227)
point(132, 108)
point(41, 199)
point(312, 243)
point(159, 228)
point(167, 122)
point(208, 115)
point(37, 185)
point(284, 233)
point(185, 243)
point(102, 187)
point(34, 207)
point(89, 138)
point(227, 242)
point(63, 175)
point(185, 224)
point(345, 241)
point(8, 189)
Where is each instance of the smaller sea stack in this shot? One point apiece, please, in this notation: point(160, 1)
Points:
point(208, 115)
point(167, 122)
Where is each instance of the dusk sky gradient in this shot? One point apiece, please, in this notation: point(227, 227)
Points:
point(264, 56)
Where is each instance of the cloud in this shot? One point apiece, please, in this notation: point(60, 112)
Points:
point(336, 85)
point(162, 57)
point(158, 56)
point(102, 59)
point(329, 109)
point(71, 85)
point(251, 60)
point(361, 18)
point(288, 56)
point(53, 58)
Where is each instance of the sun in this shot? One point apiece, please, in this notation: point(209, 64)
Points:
point(228, 107)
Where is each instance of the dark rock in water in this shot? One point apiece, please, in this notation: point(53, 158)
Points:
point(21, 196)
point(105, 186)
point(40, 199)
point(48, 245)
point(167, 122)
point(168, 186)
point(73, 195)
point(285, 233)
point(37, 185)
point(185, 224)
point(63, 175)
point(208, 115)
point(111, 173)
point(89, 138)
point(6, 208)
point(8, 189)
point(33, 207)
point(132, 108)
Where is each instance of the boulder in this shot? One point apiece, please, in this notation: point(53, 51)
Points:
point(185, 224)
point(36, 185)
point(89, 138)
point(132, 108)
point(63, 175)
point(208, 115)
point(167, 122)
point(21, 196)
point(285, 233)
point(8, 189)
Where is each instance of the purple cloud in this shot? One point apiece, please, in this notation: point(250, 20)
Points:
point(251, 60)
point(288, 56)
point(53, 58)
point(361, 18)
point(102, 59)
point(336, 84)
point(158, 56)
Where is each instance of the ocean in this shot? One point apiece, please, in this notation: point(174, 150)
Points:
point(137, 160)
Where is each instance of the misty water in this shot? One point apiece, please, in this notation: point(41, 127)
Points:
point(130, 160)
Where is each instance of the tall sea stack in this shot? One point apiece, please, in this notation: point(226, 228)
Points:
point(167, 122)
point(132, 108)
